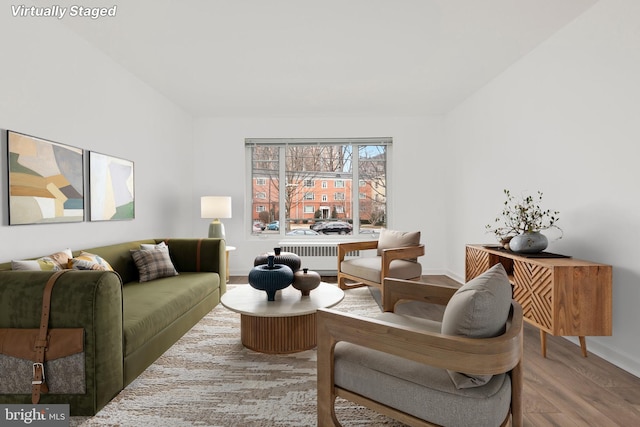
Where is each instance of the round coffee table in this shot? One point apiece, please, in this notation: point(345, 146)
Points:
point(286, 325)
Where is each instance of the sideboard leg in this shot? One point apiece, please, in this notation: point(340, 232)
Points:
point(543, 343)
point(583, 345)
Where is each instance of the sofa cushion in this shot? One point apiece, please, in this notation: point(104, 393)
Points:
point(390, 239)
point(119, 257)
point(479, 309)
point(153, 263)
point(150, 307)
point(370, 268)
point(423, 391)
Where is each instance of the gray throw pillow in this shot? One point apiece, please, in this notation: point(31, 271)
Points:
point(479, 309)
point(389, 239)
point(153, 264)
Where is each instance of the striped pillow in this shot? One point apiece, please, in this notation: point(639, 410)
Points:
point(153, 264)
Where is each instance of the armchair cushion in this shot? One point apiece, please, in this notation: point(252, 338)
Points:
point(423, 391)
point(479, 309)
point(389, 239)
point(370, 268)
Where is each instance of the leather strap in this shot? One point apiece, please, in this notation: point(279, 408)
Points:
point(198, 250)
point(39, 384)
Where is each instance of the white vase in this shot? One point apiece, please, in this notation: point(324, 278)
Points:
point(529, 243)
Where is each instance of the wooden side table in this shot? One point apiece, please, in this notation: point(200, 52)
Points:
point(286, 325)
point(228, 249)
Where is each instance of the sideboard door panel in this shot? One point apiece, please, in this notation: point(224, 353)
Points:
point(533, 289)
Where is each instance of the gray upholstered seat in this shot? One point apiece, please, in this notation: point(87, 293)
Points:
point(396, 256)
point(422, 391)
point(371, 268)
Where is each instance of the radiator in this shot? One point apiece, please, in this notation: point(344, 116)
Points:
point(318, 256)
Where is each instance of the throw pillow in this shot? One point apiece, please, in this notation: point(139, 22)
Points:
point(54, 262)
point(397, 239)
point(153, 264)
point(62, 258)
point(150, 246)
point(479, 309)
point(41, 264)
point(88, 261)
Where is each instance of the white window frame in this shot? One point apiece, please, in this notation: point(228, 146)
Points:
point(282, 143)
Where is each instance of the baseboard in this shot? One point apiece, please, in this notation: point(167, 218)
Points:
point(600, 349)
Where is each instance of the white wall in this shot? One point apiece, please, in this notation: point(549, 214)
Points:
point(55, 86)
point(416, 169)
point(564, 120)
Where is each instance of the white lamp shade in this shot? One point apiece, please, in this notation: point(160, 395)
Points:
point(215, 207)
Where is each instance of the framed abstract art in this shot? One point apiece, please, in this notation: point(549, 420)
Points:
point(111, 181)
point(46, 181)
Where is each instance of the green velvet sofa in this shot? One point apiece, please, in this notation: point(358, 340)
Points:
point(127, 324)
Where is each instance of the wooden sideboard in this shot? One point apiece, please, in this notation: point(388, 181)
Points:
point(559, 296)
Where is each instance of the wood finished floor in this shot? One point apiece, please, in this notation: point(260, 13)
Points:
point(565, 389)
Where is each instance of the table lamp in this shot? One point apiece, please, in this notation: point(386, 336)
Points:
point(215, 207)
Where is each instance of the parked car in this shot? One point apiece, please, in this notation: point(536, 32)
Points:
point(302, 232)
point(258, 226)
point(317, 226)
point(274, 225)
point(338, 227)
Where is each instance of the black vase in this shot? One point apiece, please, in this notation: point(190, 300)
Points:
point(287, 258)
point(270, 277)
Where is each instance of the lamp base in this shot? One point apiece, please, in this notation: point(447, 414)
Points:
point(216, 230)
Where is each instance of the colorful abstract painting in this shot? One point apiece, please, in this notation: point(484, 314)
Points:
point(112, 188)
point(46, 181)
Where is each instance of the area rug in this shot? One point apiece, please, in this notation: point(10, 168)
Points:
point(209, 379)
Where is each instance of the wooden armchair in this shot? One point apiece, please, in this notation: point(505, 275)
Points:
point(397, 254)
point(404, 367)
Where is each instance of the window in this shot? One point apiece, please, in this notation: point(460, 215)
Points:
point(298, 164)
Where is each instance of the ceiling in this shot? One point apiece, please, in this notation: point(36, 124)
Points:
point(275, 58)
